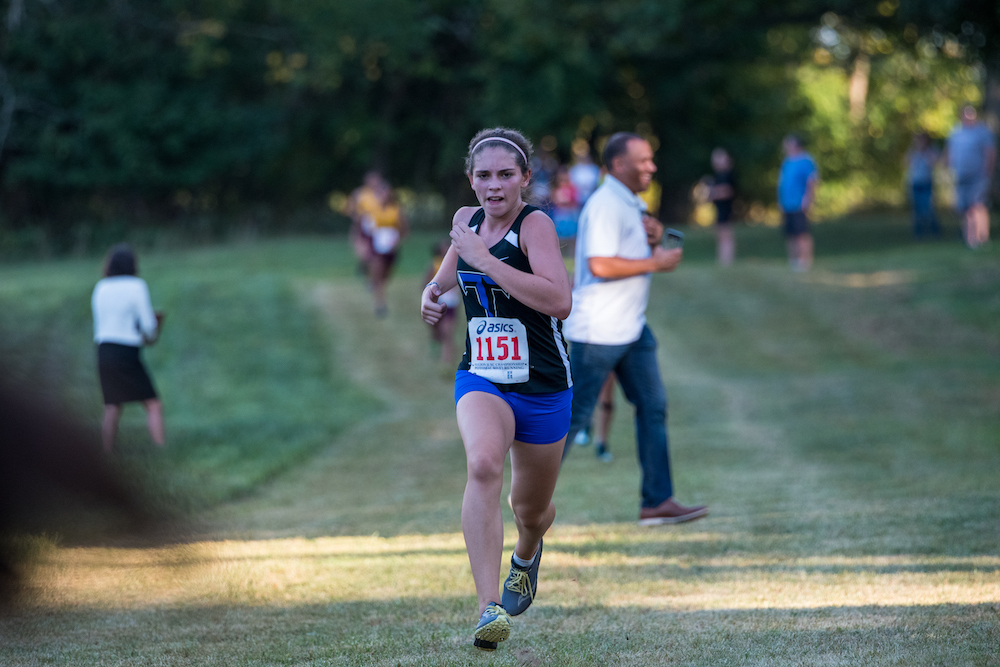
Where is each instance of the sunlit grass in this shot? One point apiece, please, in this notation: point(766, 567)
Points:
point(606, 565)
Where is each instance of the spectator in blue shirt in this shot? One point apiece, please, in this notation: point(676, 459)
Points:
point(796, 192)
point(972, 155)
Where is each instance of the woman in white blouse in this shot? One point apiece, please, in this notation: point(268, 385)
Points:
point(124, 321)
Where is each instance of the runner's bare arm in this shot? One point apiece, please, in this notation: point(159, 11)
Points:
point(430, 310)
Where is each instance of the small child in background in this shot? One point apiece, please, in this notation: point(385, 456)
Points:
point(602, 420)
point(444, 331)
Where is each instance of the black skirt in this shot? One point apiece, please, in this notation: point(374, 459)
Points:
point(124, 378)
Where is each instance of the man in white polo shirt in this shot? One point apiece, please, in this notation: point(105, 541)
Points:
point(617, 251)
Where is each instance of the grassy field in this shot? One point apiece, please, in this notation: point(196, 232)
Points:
point(843, 426)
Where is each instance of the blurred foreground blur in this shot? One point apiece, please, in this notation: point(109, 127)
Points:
point(52, 474)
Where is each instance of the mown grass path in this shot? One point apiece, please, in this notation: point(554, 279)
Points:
point(391, 472)
point(842, 426)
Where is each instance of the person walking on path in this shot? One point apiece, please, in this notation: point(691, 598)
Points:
point(723, 194)
point(618, 250)
point(797, 183)
point(513, 388)
point(920, 161)
point(124, 321)
point(972, 156)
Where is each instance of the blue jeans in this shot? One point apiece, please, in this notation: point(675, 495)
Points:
point(924, 218)
point(639, 375)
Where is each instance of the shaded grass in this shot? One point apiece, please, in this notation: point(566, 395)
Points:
point(243, 367)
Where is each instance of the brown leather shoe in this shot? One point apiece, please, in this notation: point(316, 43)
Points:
point(670, 512)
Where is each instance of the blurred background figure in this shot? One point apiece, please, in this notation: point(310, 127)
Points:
point(920, 161)
point(359, 208)
point(652, 196)
point(443, 332)
point(544, 166)
point(601, 423)
point(605, 415)
point(54, 479)
point(124, 321)
point(565, 210)
point(797, 183)
point(584, 174)
point(377, 227)
point(723, 194)
point(972, 155)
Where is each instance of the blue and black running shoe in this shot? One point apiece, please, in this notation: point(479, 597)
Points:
point(484, 645)
point(521, 585)
point(494, 626)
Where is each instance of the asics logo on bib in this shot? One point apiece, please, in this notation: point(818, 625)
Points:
point(485, 289)
point(493, 327)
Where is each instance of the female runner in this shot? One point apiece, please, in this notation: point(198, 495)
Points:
point(513, 388)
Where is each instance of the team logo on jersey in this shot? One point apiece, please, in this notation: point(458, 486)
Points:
point(484, 288)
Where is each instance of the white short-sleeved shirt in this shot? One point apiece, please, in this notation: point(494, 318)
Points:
point(605, 311)
point(123, 312)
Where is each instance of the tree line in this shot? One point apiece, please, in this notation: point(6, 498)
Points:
point(154, 109)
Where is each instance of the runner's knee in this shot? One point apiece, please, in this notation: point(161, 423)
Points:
point(531, 515)
point(484, 468)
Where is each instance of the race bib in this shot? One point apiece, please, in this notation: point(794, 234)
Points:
point(498, 349)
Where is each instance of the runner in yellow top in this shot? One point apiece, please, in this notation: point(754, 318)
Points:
point(377, 227)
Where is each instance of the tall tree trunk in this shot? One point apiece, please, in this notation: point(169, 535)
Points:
point(857, 89)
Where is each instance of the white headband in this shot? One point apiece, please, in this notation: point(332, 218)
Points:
point(506, 141)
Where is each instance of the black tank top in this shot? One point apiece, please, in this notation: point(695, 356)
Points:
point(516, 347)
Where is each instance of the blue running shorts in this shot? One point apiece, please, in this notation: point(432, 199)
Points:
point(539, 419)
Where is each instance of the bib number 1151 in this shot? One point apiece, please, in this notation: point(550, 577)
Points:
point(504, 348)
point(499, 349)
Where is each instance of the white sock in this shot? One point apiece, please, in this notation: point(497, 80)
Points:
point(520, 562)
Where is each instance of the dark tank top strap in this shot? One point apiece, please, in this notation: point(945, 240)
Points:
point(477, 218)
point(516, 227)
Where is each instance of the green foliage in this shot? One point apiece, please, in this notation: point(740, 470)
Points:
point(908, 85)
point(174, 108)
point(113, 106)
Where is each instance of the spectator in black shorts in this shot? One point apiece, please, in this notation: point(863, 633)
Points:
point(124, 322)
point(797, 183)
point(722, 194)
